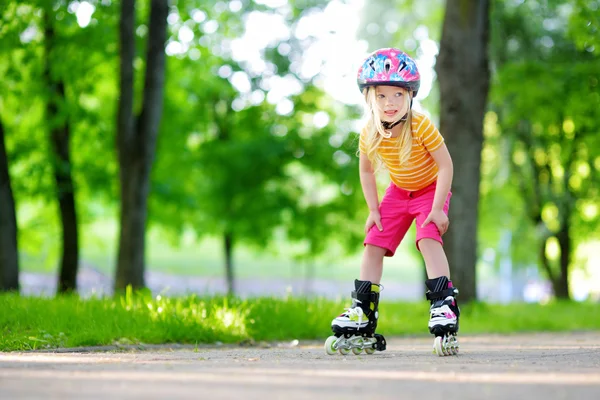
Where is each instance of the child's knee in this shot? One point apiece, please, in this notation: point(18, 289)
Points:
point(373, 251)
point(427, 243)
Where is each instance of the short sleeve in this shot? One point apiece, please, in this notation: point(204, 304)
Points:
point(430, 136)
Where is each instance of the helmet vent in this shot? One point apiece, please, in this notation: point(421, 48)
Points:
point(372, 64)
point(401, 66)
point(387, 65)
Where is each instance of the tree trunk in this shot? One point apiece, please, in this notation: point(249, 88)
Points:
point(127, 258)
point(9, 255)
point(137, 138)
point(559, 280)
point(223, 136)
point(60, 137)
point(228, 242)
point(561, 284)
point(545, 262)
point(463, 73)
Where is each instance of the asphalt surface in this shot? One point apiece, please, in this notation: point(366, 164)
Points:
point(525, 366)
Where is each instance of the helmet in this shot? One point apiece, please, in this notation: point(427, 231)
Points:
point(390, 67)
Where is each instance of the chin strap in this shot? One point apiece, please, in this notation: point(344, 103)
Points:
point(390, 125)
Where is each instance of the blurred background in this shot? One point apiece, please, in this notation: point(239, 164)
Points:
point(211, 146)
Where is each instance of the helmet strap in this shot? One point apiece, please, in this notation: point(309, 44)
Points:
point(390, 125)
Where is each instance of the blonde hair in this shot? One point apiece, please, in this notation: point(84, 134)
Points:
point(375, 132)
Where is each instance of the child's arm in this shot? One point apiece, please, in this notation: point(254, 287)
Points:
point(445, 172)
point(444, 182)
point(369, 187)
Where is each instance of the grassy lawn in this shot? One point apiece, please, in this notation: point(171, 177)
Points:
point(28, 323)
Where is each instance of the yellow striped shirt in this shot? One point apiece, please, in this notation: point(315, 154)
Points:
point(420, 170)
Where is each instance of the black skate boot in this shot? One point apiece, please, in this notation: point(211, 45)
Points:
point(355, 328)
point(444, 315)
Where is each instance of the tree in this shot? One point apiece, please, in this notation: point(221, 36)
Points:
point(57, 114)
point(53, 97)
point(547, 103)
point(463, 74)
point(137, 136)
point(9, 252)
point(9, 256)
point(244, 167)
point(235, 160)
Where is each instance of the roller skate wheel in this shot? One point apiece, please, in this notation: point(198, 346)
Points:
point(369, 350)
point(438, 346)
point(344, 352)
point(453, 345)
point(329, 349)
point(356, 350)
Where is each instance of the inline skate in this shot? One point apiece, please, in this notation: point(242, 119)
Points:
point(354, 330)
point(444, 315)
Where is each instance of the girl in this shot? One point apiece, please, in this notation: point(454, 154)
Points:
point(420, 168)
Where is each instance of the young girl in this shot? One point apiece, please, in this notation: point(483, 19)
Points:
point(420, 168)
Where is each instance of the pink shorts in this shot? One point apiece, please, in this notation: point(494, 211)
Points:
point(398, 209)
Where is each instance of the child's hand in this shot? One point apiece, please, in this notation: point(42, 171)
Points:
point(439, 218)
point(373, 219)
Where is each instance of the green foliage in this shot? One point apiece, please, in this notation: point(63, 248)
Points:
point(31, 323)
point(584, 26)
point(84, 59)
point(226, 157)
point(234, 161)
point(229, 159)
point(541, 147)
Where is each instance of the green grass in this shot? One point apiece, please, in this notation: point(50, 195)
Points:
point(29, 323)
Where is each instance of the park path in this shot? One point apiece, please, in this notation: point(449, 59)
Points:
point(524, 366)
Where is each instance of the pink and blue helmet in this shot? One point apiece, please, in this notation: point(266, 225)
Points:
point(390, 67)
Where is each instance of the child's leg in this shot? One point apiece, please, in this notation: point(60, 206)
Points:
point(435, 258)
point(444, 311)
point(371, 268)
point(440, 290)
point(362, 315)
point(355, 329)
point(396, 221)
point(365, 298)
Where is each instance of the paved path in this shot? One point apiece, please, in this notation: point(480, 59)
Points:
point(536, 366)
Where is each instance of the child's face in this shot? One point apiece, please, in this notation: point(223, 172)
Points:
point(392, 102)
